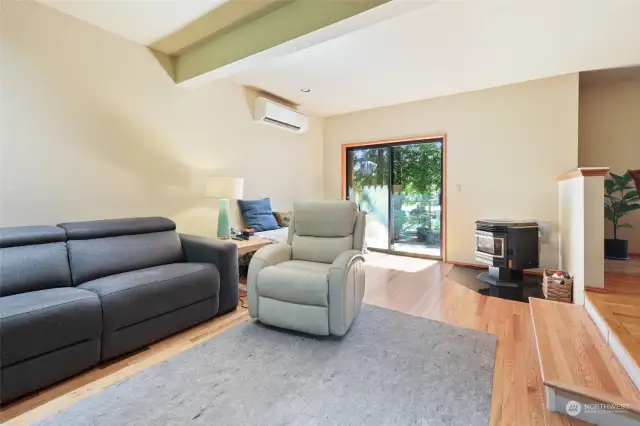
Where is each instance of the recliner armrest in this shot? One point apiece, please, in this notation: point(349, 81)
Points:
point(224, 255)
point(346, 290)
point(269, 255)
point(345, 259)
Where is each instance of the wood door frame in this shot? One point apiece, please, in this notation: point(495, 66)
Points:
point(400, 141)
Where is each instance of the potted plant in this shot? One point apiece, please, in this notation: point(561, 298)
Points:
point(620, 200)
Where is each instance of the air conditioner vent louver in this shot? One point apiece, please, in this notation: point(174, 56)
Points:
point(274, 114)
point(280, 123)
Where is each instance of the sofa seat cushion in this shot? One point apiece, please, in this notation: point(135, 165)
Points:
point(304, 283)
point(43, 321)
point(132, 297)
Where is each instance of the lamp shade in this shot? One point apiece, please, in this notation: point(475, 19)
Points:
point(224, 187)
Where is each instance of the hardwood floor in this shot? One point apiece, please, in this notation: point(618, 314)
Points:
point(622, 276)
point(619, 305)
point(414, 286)
point(629, 267)
point(621, 302)
point(622, 313)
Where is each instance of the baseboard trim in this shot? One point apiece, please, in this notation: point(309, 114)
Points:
point(595, 289)
point(481, 266)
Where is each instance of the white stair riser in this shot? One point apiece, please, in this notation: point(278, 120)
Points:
point(558, 401)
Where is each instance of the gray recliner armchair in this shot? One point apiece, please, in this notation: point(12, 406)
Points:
point(315, 282)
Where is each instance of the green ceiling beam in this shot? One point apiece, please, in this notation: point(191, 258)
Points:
point(288, 22)
point(167, 62)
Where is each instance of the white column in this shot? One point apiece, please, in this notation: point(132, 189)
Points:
point(581, 203)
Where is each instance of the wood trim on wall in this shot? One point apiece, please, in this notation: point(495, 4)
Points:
point(443, 218)
point(584, 171)
point(594, 289)
point(443, 136)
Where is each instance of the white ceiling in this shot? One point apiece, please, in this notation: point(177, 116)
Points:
point(443, 48)
point(142, 21)
point(453, 47)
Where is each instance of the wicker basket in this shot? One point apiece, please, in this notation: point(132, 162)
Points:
point(554, 291)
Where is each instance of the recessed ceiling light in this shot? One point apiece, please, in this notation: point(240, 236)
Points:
point(305, 90)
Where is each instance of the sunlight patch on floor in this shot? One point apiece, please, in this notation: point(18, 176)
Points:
point(417, 249)
point(399, 263)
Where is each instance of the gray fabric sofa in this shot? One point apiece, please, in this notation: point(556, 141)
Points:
point(315, 282)
point(84, 292)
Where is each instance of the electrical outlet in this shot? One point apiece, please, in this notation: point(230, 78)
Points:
point(545, 231)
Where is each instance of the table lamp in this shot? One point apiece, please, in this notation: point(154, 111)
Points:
point(224, 189)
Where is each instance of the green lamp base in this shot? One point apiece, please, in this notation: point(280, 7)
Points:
point(224, 225)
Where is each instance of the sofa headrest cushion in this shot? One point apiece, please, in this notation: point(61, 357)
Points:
point(116, 227)
point(324, 218)
point(29, 235)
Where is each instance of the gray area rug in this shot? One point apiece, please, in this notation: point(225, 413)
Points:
point(390, 369)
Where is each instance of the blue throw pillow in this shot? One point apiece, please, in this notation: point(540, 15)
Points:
point(257, 214)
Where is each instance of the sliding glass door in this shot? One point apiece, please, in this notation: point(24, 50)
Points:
point(400, 186)
point(369, 187)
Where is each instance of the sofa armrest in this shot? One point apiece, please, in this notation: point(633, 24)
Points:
point(224, 255)
point(269, 255)
point(346, 290)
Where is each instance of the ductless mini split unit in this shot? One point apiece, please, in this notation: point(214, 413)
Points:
point(274, 114)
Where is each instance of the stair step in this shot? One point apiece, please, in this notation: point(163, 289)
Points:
point(617, 316)
point(575, 361)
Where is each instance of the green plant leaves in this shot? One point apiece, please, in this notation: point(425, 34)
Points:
point(620, 198)
point(624, 209)
point(625, 225)
point(615, 176)
point(608, 213)
point(609, 186)
point(621, 181)
point(617, 182)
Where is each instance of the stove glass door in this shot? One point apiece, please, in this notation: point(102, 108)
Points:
point(489, 244)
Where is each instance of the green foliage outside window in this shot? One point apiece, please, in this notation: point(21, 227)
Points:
point(416, 168)
point(416, 184)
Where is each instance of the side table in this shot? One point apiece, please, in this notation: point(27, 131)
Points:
point(251, 245)
point(246, 250)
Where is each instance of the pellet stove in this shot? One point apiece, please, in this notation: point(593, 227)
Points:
point(508, 247)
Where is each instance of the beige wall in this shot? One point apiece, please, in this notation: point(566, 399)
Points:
point(506, 147)
point(610, 137)
point(91, 127)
